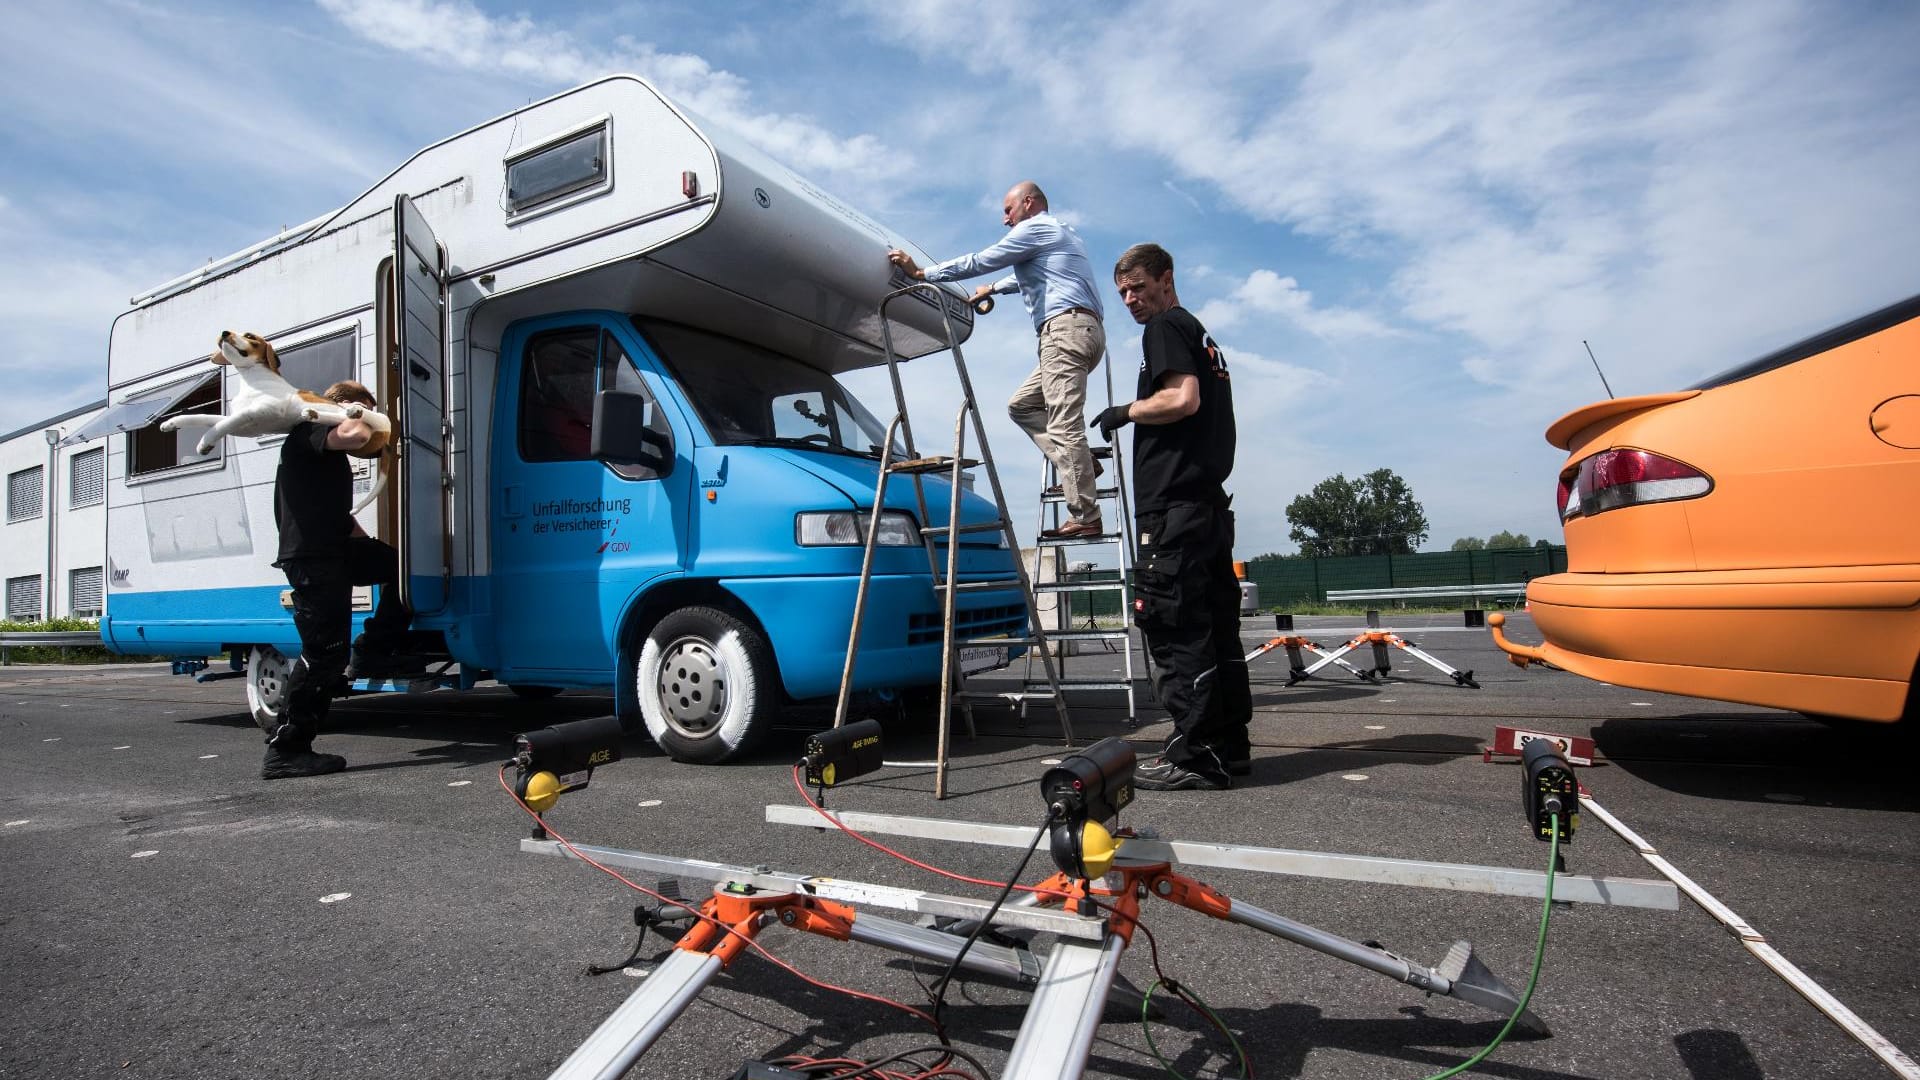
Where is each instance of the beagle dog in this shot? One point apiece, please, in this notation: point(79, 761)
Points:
point(263, 403)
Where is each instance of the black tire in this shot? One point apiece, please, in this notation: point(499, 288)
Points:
point(532, 692)
point(706, 684)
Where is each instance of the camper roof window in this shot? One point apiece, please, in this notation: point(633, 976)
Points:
point(558, 169)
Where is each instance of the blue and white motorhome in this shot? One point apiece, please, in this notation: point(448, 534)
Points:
point(608, 336)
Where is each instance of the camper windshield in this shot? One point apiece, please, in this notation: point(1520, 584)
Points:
point(747, 395)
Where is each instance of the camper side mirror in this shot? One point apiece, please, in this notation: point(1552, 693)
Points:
point(622, 430)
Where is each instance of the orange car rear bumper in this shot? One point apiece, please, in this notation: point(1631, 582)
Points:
point(1839, 641)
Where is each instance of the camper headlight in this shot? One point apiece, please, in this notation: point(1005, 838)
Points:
point(838, 528)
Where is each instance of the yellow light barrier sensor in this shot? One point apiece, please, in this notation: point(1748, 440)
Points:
point(1082, 794)
point(837, 755)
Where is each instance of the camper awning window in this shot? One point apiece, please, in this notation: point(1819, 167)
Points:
point(571, 165)
point(139, 410)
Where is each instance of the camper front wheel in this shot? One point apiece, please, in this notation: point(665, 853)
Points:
point(706, 685)
point(267, 671)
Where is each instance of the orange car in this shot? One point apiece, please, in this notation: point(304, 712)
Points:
point(1755, 538)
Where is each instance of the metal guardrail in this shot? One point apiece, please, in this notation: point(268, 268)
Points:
point(1501, 591)
point(58, 639)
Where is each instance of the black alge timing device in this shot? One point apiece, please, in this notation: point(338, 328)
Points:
point(1548, 788)
point(562, 757)
point(1082, 793)
point(840, 754)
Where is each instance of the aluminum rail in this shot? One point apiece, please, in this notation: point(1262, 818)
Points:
point(1500, 881)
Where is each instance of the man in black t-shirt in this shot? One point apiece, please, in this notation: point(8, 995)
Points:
point(1186, 601)
point(325, 554)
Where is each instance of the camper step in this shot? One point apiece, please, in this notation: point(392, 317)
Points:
point(1098, 493)
point(1086, 635)
point(1077, 541)
point(1080, 586)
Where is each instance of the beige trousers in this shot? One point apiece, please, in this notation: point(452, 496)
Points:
point(1051, 405)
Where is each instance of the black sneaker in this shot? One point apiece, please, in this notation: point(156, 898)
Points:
point(1240, 766)
point(285, 764)
point(1164, 775)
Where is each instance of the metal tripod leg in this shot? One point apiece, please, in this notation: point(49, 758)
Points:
point(625, 1035)
point(1459, 975)
point(1058, 1030)
point(1334, 657)
point(1460, 678)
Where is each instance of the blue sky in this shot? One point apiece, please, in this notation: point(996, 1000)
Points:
point(1400, 219)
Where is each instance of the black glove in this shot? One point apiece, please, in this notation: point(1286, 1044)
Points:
point(1112, 419)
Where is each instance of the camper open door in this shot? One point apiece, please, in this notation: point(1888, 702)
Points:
point(417, 354)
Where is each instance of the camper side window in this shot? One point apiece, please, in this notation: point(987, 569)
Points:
point(150, 450)
point(317, 365)
point(560, 169)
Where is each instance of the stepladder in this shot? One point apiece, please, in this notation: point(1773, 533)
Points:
point(961, 651)
point(1083, 580)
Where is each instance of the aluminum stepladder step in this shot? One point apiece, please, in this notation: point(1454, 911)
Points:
point(1116, 515)
point(942, 545)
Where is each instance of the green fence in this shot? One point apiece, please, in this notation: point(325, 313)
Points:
point(1295, 579)
point(1300, 579)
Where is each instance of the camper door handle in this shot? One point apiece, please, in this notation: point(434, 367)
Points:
point(419, 370)
point(510, 502)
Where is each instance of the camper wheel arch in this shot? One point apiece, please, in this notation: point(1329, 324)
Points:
point(696, 623)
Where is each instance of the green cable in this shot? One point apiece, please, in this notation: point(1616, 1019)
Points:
point(1187, 995)
point(1539, 951)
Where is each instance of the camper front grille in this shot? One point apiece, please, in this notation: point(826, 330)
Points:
point(924, 627)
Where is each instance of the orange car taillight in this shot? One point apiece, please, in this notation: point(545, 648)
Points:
point(1615, 478)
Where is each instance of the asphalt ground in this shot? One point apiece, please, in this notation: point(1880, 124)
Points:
point(165, 913)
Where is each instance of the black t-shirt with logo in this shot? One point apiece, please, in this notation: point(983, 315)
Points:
point(1189, 459)
point(312, 496)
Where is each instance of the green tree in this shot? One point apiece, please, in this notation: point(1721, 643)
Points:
point(1373, 515)
point(1505, 539)
point(1469, 543)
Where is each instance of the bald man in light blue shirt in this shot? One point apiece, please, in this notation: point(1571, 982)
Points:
point(1054, 278)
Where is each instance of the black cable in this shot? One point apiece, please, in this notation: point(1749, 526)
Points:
point(940, 988)
point(950, 1052)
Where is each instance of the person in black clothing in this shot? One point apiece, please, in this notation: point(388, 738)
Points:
point(325, 554)
point(1186, 600)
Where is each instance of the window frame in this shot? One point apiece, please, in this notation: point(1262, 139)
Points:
point(572, 194)
point(99, 454)
point(40, 499)
point(212, 462)
point(100, 591)
point(40, 603)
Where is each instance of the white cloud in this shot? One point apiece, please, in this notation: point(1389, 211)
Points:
point(1265, 292)
point(456, 34)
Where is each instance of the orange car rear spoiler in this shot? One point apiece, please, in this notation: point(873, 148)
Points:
point(1562, 432)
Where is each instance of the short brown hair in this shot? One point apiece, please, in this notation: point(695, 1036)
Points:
point(346, 390)
point(1152, 258)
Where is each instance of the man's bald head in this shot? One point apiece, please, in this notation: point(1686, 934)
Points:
point(1023, 200)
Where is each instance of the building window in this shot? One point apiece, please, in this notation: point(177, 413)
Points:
point(24, 494)
point(317, 365)
point(87, 478)
point(85, 592)
point(150, 450)
point(23, 598)
point(573, 164)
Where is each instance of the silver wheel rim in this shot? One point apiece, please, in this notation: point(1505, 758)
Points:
point(267, 672)
point(692, 687)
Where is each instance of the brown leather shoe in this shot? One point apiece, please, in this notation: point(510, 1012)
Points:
point(1073, 530)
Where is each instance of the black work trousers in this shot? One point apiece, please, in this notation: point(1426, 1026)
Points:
point(323, 616)
point(1187, 606)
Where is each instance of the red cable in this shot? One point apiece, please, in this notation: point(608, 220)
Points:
point(756, 946)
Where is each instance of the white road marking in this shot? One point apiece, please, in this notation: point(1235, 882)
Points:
point(56, 738)
point(129, 746)
point(460, 783)
point(1354, 776)
point(334, 898)
point(208, 757)
point(1049, 761)
point(649, 802)
point(144, 854)
point(22, 821)
point(1645, 704)
point(637, 971)
point(1376, 727)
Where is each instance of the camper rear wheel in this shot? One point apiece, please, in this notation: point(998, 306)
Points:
point(706, 685)
point(267, 672)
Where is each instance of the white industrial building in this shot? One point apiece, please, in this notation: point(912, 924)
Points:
point(53, 550)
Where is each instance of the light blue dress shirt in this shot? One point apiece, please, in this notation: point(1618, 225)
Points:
point(1050, 268)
